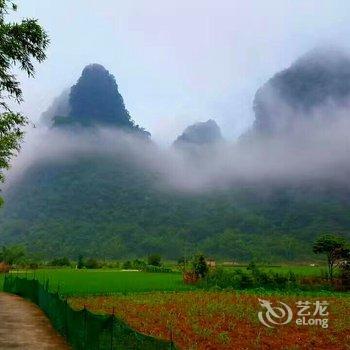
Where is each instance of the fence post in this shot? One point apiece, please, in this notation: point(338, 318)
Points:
point(66, 318)
point(85, 327)
point(112, 327)
point(171, 337)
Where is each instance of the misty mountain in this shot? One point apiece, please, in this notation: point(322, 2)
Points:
point(319, 79)
point(112, 194)
point(93, 101)
point(110, 207)
point(59, 107)
point(200, 133)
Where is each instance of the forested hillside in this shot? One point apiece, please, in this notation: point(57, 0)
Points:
point(111, 209)
point(108, 206)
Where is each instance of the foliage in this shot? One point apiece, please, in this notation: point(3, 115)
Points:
point(127, 265)
point(92, 263)
point(80, 263)
point(4, 268)
point(182, 263)
point(20, 44)
point(138, 264)
point(345, 275)
point(190, 277)
point(60, 262)
point(256, 278)
point(154, 260)
point(154, 268)
point(200, 266)
point(133, 217)
point(13, 254)
point(333, 247)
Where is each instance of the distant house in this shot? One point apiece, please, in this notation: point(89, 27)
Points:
point(211, 262)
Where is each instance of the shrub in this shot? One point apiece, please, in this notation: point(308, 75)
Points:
point(154, 260)
point(4, 268)
point(92, 264)
point(112, 264)
point(345, 276)
point(33, 265)
point(190, 277)
point(138, 264)
point(152, 268)
point(60, 262)
point(127, 265)
point(200, 266)
point(239, 279)
point(80, 263)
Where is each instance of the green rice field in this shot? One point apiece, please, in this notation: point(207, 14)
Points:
point(106, 281)
point(103, 282)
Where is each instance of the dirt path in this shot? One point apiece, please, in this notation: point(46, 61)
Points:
point(24, 326)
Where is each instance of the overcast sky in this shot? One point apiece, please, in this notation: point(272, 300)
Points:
point(179, 62)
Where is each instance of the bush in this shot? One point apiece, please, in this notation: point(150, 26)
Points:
point(239, 279)
point(13, 255)
point(152, 268)
point(33, 265)
point(190, 277)
point(92, 264)
point(4, 268)
point(154, 260)
point(200, 266)
point(60, 262)
point(80, 263)
point(127, 265)
point(345, 276)
point(111, 264)
point(138, 264)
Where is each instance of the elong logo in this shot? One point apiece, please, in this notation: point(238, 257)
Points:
point(282, 314)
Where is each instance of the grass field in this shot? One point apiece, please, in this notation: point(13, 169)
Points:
point(102, 282)
point(107, 281)
point(222, 320)
point(300, 271)
point(159, 304)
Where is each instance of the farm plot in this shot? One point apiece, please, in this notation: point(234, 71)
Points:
point(222, 320)
point(104, 282)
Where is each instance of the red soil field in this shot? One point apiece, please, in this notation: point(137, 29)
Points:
point(223, 320)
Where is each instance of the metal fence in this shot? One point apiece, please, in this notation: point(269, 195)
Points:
point(83, 329)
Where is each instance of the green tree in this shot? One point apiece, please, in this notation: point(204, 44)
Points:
point(333, 246)
point(92, 263)
point(154, 260)
point(200, 266)
point(20, 44)
point(80, 263)
point(60, 262)
point(12, 255)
